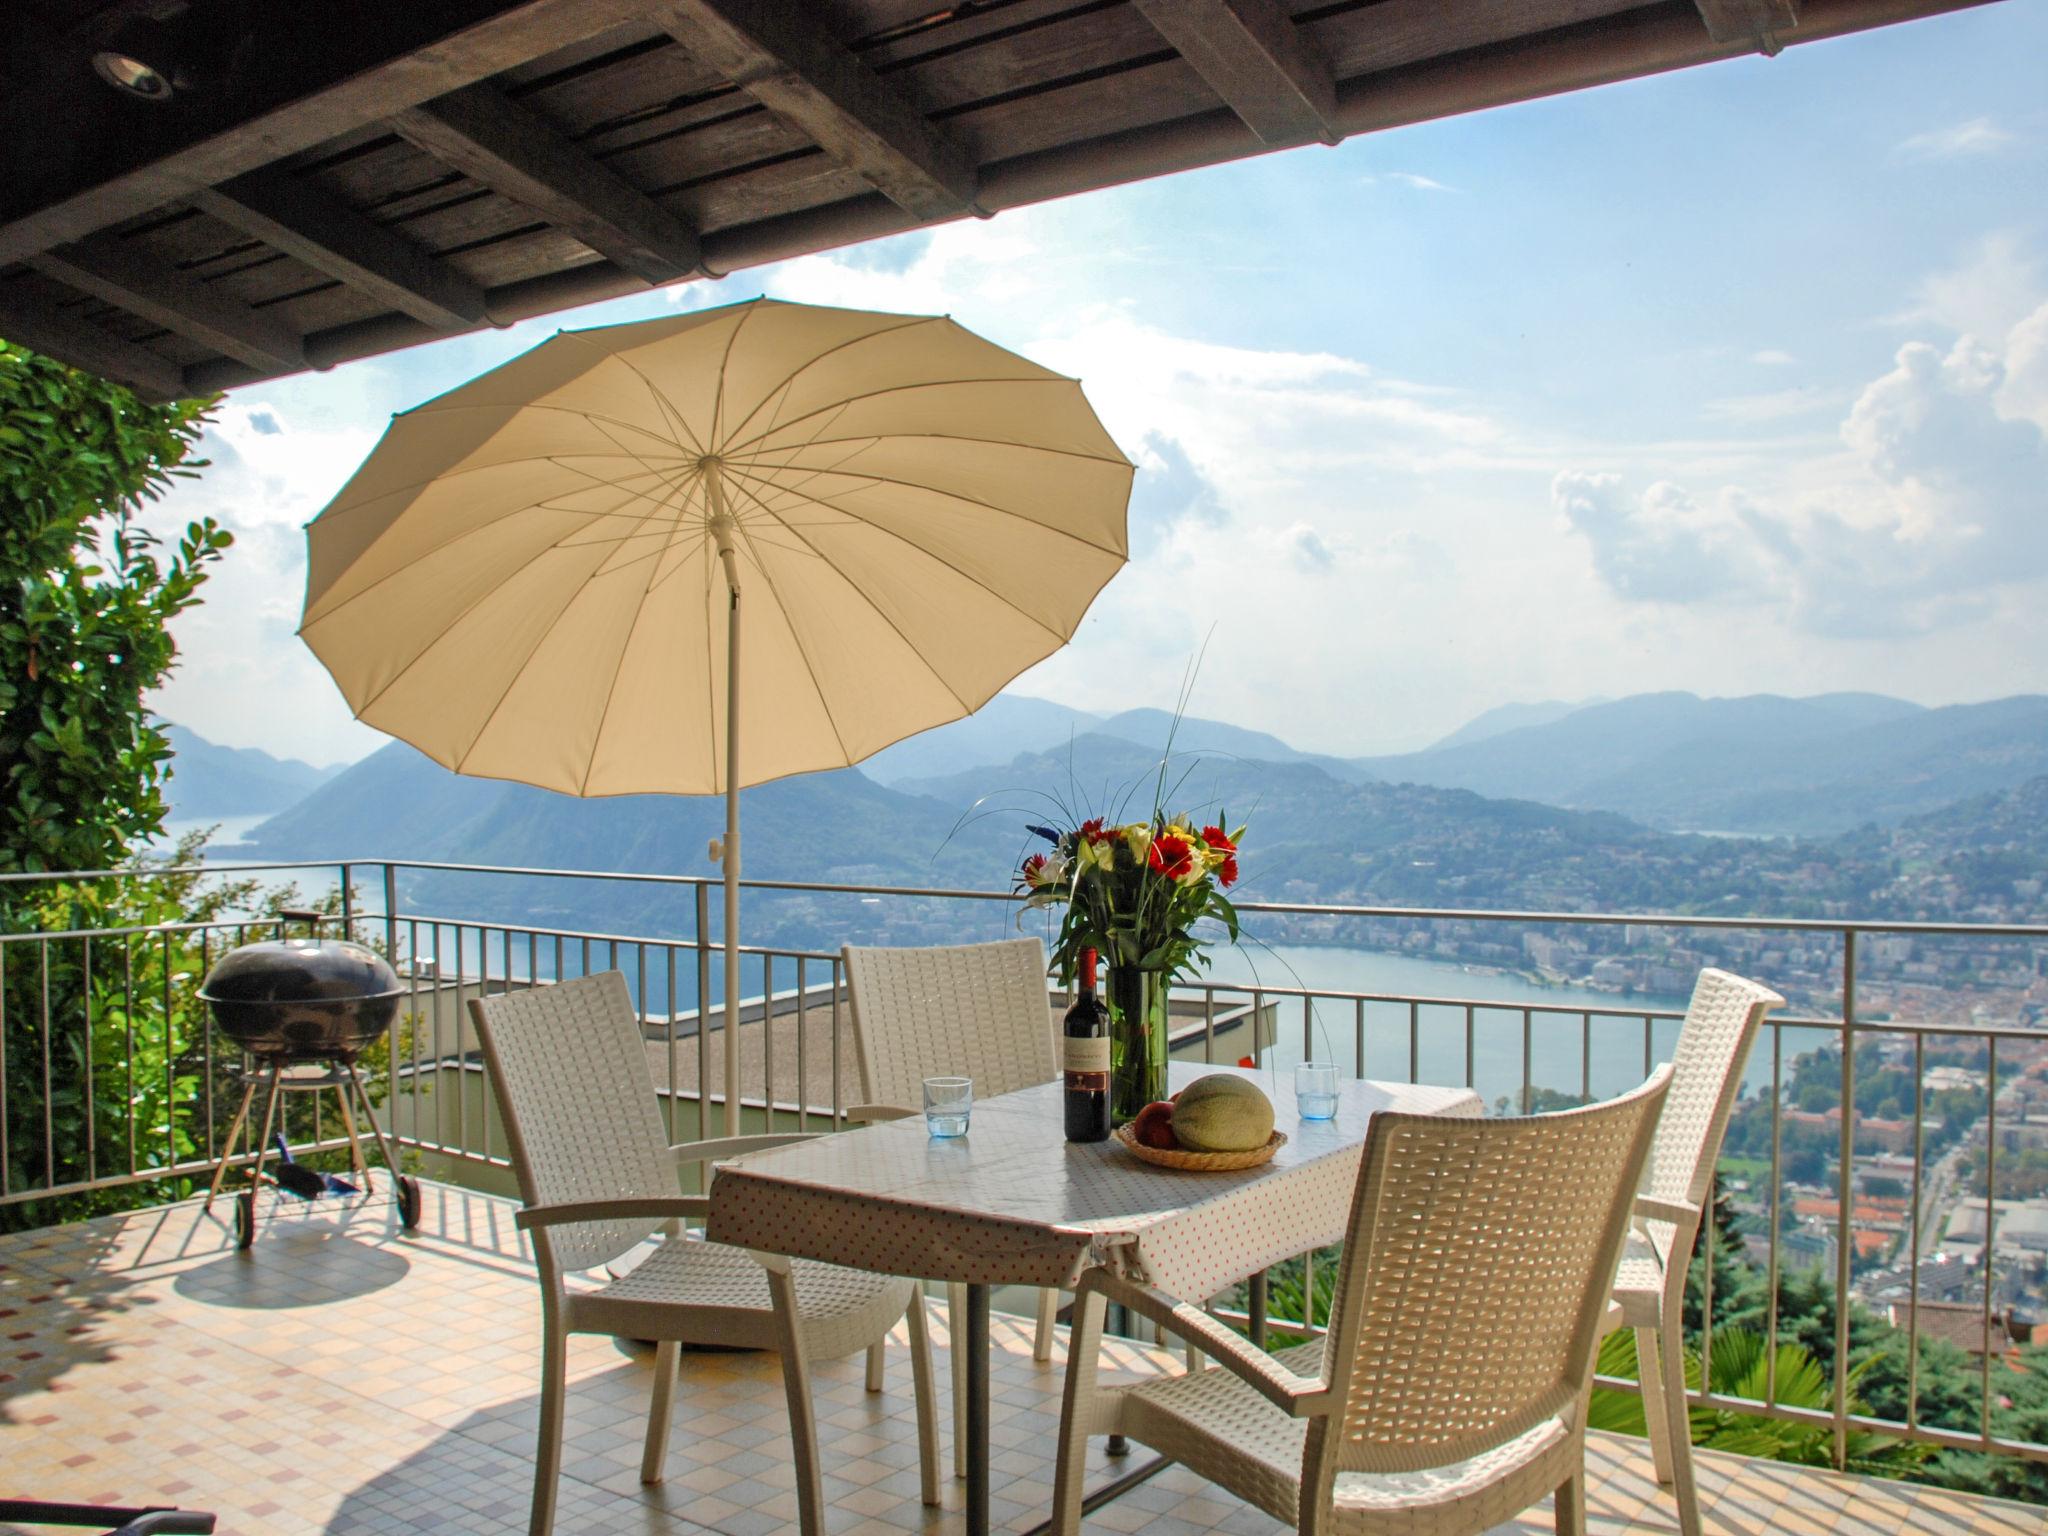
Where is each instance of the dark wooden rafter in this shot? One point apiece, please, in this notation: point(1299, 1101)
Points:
point(777, 52)
point(291, 215)
point(1251, 54)
point(493, 140)
point(55, 332)
point(117, 273)
point(1765, 23)
point(395, 54)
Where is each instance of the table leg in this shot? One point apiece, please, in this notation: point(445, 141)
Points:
point(1256, 1307)
point(977, 1410)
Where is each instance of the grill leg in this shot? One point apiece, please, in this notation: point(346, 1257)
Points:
point(370, 1114)
point(227, 1146)
point(355, 1147)
point(269, 1115)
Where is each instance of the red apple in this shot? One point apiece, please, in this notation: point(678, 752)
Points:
point(1153, 1126)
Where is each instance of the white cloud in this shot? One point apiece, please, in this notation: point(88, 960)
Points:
point(1776, 405)
point(1977, 136)
point(1412, 180)
point(1772, 357)
point(1985, 295)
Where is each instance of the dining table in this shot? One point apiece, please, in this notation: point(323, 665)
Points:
point(1012, 1202)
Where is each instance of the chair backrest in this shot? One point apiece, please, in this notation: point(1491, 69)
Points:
point(569, 1067)
point(967, 1010)
point(1721, 1024)
point(1478, 1266)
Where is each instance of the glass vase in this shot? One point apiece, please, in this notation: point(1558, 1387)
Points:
point(1137, 1039)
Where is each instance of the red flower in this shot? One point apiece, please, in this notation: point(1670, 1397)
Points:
point(1219, 842)
point(1171, 856)
point(1092, 830)
point(1032, 866)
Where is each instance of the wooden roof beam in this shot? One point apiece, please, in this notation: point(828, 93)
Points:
point(490, 138)
point(776, 52)
point(328, 81)
point(298, 218)
point(1762, 22)
point(30, 322)
point(1252, 55)
point(118, 274)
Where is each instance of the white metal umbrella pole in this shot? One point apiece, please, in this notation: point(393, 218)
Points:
point(729, 850)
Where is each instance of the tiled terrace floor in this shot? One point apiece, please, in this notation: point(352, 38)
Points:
point(344, 1378)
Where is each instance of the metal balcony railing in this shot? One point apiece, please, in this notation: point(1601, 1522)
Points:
point(111, 1075)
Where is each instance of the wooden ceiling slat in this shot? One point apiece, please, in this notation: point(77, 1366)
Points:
point(776, 51)
point(36, 323)
point(293, 216)
point(1741, 21)
point(1089, 110)
point(492, 139)
point(1254, 58)
point(115, 272)
point(381, 63)
point(1397, 32)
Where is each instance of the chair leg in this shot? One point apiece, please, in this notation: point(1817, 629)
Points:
point(1678, 1430)
point(796, 1385)
point(1650, 1374)
point(655, 1457)
point(547, 1453)
point(1048, 1317)
point(926, 1391)
point(1571, 1500)
point(956, 1355)
point(1077, 1406)
point(876, 1361)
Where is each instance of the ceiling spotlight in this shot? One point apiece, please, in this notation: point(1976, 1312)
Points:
point(140, 60)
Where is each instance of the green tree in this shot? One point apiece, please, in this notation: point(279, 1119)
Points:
point(86, 598)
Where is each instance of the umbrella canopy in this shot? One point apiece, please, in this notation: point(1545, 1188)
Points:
point(538, 575)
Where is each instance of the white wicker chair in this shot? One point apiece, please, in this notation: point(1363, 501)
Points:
point(569, 1067)
point(1649, 1292)
point(1450, 1392)
point(970, 1010)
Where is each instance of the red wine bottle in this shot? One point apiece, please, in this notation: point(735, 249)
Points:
point(1084, 1048)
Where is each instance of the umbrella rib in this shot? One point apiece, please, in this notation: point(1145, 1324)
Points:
point(810, 668)
point(897, 389)
point(875, 607)
point(616, 357)
point(913, 485)
point(900, 538)
point(540, 503)
point(910, 322)
point(625, 645)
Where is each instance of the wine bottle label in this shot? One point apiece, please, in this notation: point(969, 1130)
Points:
point(1085, 1053)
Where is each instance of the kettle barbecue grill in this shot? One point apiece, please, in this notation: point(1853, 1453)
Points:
point(295, 1004)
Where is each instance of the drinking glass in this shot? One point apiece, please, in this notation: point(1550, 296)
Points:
point(1315, 1090)
point(948, 1101)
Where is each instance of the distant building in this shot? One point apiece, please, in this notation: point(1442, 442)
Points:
point(1960, 1323)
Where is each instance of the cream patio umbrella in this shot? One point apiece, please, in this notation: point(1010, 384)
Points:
point(539, 575)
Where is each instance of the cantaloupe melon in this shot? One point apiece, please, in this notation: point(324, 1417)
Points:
point(1222, 1113)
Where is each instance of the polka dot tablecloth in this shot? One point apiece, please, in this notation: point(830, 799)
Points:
point(1014, 1203)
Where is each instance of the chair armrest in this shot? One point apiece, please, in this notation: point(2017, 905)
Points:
point(665, 1207)
point(719, 1148)
point(874, 1114)
point(1680, 1213)
point(1293, 1394)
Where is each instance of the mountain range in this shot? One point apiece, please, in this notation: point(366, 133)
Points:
point(208, 779)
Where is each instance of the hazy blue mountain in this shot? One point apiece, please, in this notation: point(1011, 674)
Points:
point(1006, 725)
point(1503, 718)
point(1149, 728)
point(208, 779)
point(1762, 764)
point(831, 827)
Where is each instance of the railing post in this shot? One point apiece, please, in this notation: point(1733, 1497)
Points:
point(391, 912)
point(1845, 1232)
point(348, 914)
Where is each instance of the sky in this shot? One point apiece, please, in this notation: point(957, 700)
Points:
point(1733, 380)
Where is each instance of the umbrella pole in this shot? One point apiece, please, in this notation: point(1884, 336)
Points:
point(721, 529)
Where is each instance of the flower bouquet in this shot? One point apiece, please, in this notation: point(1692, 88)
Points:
point(1134, 894)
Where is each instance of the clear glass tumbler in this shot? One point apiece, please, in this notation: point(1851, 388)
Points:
point(948, 1102)
point(1315, 1090)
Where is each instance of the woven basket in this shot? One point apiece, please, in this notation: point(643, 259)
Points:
point(1200, 1162)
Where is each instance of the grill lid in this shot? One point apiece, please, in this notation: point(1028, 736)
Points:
point(300, 971)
